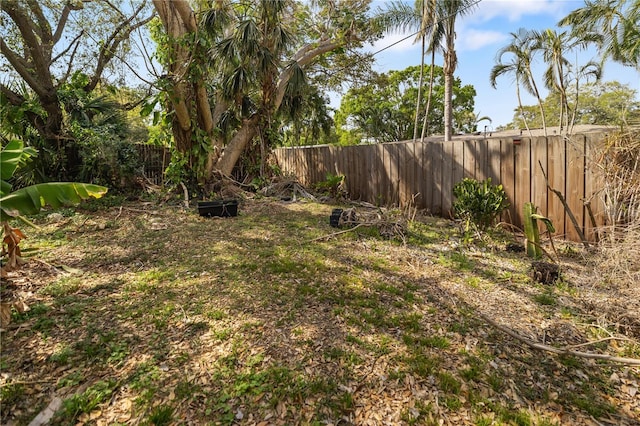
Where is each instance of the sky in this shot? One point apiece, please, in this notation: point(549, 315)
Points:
point(479, 36)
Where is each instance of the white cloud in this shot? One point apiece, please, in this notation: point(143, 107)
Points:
point(515, 10)
point(474, 39)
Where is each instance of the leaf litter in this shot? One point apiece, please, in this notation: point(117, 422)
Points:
point(244, 321)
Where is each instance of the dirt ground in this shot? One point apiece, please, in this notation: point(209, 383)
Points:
point(147, 314)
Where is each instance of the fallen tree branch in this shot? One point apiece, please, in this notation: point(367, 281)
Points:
point(186, 195)
point(131, 209)
point(325, 237)
point(559, 351)
point(570, 214)
point(594, 342)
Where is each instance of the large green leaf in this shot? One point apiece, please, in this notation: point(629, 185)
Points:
point(32, 199)
point(10, 158)
point(9, 161)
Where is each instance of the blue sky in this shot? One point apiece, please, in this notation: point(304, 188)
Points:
point(480, 35)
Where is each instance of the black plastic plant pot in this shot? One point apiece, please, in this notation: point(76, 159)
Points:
point(334, 219)
point(218, 208)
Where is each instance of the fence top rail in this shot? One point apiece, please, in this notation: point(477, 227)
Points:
point(552, 132)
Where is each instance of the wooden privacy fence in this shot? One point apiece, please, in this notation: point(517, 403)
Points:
point(397, 174)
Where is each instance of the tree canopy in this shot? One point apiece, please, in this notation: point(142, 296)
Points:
point(234, 71)
point(382, 111)
point(57, 55)
point(601, 103)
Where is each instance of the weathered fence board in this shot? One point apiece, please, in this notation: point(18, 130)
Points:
point(556, 174)
point(538, 183)
point(594, 205)
point(393, 173)
point(575, 183)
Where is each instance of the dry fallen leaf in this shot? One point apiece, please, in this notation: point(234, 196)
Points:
point(5, 314)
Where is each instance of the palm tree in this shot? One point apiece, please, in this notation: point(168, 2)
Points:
point(617, 20)
point(447, 12)
point(435, 38)
point(520, 66)
point(419, 18)
point(590, 69)
point(554, 47)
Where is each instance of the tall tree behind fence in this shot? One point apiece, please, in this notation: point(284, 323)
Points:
point(397, 174)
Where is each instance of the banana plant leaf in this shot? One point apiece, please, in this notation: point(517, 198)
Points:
point(32, 199)
point(10, 157)
point(546, 221)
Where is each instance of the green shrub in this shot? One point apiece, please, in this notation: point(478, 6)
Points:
point(333, 185)
point(478, 203)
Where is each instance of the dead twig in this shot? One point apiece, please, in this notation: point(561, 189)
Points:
point(595, 342)
point(326, 237)
point(30, 382)
point(131, 209)
point(567, 350)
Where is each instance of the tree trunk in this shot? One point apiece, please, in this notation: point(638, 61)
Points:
point(189, 99)
point(448, 96)
point(419, 100)
point(425, 122)
point(526, 124)
point(539, 98)
point(237, 145)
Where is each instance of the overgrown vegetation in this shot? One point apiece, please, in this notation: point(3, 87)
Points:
point(478, 204)
point(250, 320)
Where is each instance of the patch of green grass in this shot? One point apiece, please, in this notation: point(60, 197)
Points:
point(448, 383)
point(145, 380)
point(419, 414)
point(545, 422)
point(570, 361)
point(223, 334)
point(408, 321)
point(37, 310)
point(71, 380)
point(98, 344)
point(283, 263)
point(472, 372)
point(11, 393)
point(421, 234)
point(63, 287)
point(452, 402)
point(86, 401)
point(162, 415)
point(586, 400)
point(496, 382)
point(422, 364)
point(61, 355)
point(457, 261)
point(348, 357)
point(483, 421)
point(216, 314)
point(510, 415)
point(103, 203)
point(186, 389)
point(44, 324)
point(473, 282)
point(439, 342)
point(119, 351)
point(377, 317)
point(546, 299)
